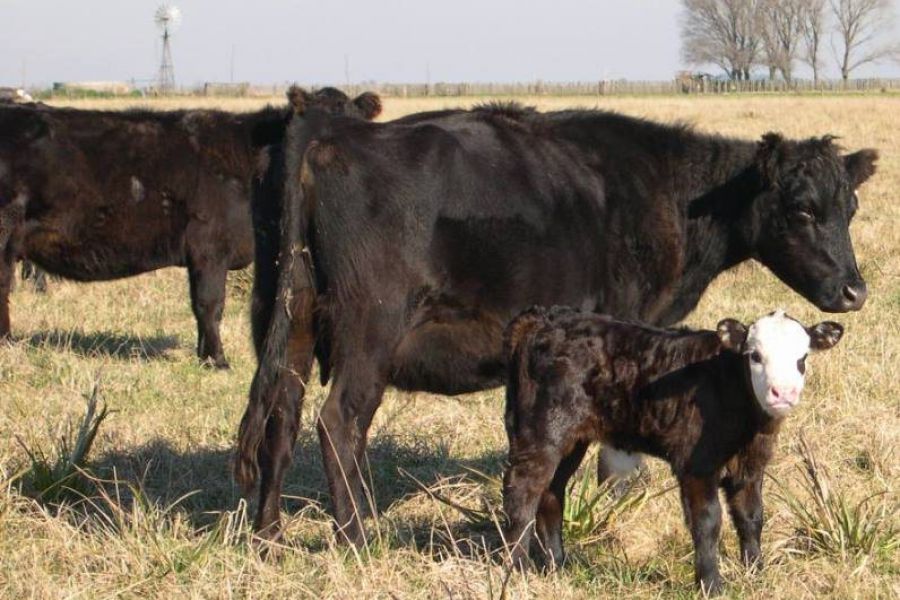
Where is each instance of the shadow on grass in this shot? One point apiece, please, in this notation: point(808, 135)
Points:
point(105, 343)
point(200, 479)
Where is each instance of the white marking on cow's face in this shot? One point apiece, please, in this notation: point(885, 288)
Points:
point(776, 349)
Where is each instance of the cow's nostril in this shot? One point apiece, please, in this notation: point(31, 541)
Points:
point(854, 296)
point(775, 393)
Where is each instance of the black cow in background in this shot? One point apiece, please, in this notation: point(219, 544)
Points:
point(408, 246)
point(93, 195)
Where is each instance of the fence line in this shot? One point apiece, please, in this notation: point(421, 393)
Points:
point(683, 85)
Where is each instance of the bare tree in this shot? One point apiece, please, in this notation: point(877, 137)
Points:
point(861, 25)
point(813, 23)
point(780, 28)
point(722, 33)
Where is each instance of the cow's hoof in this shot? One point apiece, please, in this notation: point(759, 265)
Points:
point(269, 548)
point(215, 363)
point(712, 586)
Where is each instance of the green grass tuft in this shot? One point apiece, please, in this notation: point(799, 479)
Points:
point(60, 475)
point(829, 523)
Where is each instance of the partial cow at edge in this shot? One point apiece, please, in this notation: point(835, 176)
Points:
point(99, 195)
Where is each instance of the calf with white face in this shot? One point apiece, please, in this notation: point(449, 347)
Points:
point(710, 403)
point(777, 347)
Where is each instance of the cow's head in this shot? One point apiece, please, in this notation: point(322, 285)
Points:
point(802, 218)
point(775, 348)
point(366, 106)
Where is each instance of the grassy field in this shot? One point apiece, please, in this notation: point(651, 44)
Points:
point(163, 519)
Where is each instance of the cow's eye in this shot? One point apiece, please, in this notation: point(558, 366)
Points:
point(802, 216)
point(755, 357)
point(801, 365)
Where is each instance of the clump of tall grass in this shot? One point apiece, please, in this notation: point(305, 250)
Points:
point(591, 509)
point(829, 523)
point(57, 475)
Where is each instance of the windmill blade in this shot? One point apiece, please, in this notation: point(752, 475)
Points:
point(167, 17)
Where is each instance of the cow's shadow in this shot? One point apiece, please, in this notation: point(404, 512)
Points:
point(199, 482)
point(105, 343)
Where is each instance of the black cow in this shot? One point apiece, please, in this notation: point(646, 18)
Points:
point(93, 195)
point(410, 245)
point(710, 403)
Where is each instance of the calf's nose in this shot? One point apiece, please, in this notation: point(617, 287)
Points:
point(788, 395)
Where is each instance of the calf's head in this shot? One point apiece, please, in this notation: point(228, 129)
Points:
point(801, 221)
point(775, 348)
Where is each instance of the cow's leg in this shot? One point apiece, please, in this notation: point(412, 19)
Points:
point(207, 282)
point(553, 501)
point(746, 508)
point(525, 483)
point(35, 275)
point(7, 266)
point(703, 515)
point(359, 377)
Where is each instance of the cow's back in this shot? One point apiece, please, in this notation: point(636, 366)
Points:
point(466, 218)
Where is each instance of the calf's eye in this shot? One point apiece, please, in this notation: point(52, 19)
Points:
point(755, 357)
point(801, 365)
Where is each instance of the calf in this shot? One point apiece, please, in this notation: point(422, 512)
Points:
point(708, 402)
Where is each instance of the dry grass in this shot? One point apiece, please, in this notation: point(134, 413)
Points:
point(166, 521)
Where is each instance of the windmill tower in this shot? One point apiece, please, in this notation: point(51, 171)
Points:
point(167, 18)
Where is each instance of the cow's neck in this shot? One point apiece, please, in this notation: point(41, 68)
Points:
point(714, 208)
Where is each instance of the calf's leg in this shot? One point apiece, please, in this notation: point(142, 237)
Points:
point(552, 504)
point(703, 515)
point(207, 283)
point(746, 508)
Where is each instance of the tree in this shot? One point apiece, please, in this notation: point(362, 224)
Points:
point(780, 28)
point(722, 33)
point(812, 26)
point(860, 26)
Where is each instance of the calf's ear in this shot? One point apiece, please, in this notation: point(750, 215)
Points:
point(732, 334)
point(860, 166)
point(369, 105)
point(825, 335)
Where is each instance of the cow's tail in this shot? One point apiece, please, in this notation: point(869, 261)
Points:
point(290, 312)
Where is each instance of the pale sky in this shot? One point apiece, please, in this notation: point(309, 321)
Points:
point(276, 41)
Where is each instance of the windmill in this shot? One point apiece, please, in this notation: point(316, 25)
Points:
point(167, 18)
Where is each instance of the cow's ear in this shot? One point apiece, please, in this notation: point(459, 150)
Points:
point(732, 334)
point(825, 335)
point(299, 99)
point(860, 166)
point(369, 104)
point(768, 153)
